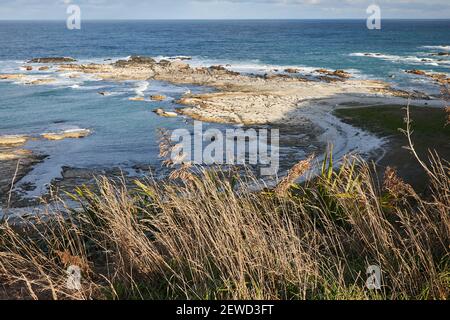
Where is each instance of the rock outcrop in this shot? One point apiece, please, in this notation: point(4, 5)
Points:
point(38, 82)
point(136, 99)
point(68, 134)
point(415, 95)
point(181, 58)
point(14, 165)
point(440, 78)
point(167, 114)
point(441, 54)
point(292, 70)
point(13, 140)
point(15, 154)
point(416, 72)
point(341, 74)
point(134, 61)
point(16, 76)
point(244, 98)
point(52, 60)
point(157, 97)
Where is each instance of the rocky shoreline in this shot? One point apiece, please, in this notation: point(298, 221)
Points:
point(248, 99)
point(15, 163)
point(278, 98)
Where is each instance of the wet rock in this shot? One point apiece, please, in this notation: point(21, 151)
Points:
point(164, 62)
point(11, 76)
point(441, 54)
point(221, 70)
point(181, 58)
point(77, 173)
point(416, 72)
point(416, 95)
point(14, 165)
point(28, 186)
point(13, 140)
point(68, 134)
point(167, 114)
point(337, 73)
point(136, 99)
point(72, 178)
point(134, 61)
point(143, 168)
point(271, 76)
point(341, 74)
point(218, 68)
point(157, 97)
point(292, 70)
point(40, 81)
point(14, 154)
point(52, 60)
point(440, 78)
point(178, 65)
point(329, 79)
point(44, 68)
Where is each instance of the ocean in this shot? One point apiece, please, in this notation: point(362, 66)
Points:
point(126, 133)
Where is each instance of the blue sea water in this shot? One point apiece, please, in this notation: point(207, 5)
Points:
point(125, 132)
point(324, 43)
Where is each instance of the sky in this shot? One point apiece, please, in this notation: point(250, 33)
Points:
point(223, 9)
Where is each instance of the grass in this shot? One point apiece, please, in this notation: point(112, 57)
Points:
point(208, 235)
point(430, 132)
point(430, 125)
point(428, 121)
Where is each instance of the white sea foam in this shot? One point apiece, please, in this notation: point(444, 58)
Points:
point(76, 130)
point(180, 58)
point(101, 60)
point(59, 80)
point(402, 59)
point(445, 48)
point(253, 66)
point(142, 86)
point(68, 130)
point(11, 66)
point(250, 66)
point(74, 80)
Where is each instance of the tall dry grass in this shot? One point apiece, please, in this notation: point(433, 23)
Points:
point(208, 235)
point(212, 238)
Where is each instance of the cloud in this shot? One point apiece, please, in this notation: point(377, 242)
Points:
point(326, 4)
point(215, 9)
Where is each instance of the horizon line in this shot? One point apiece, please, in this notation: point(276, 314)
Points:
point(224, 19)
